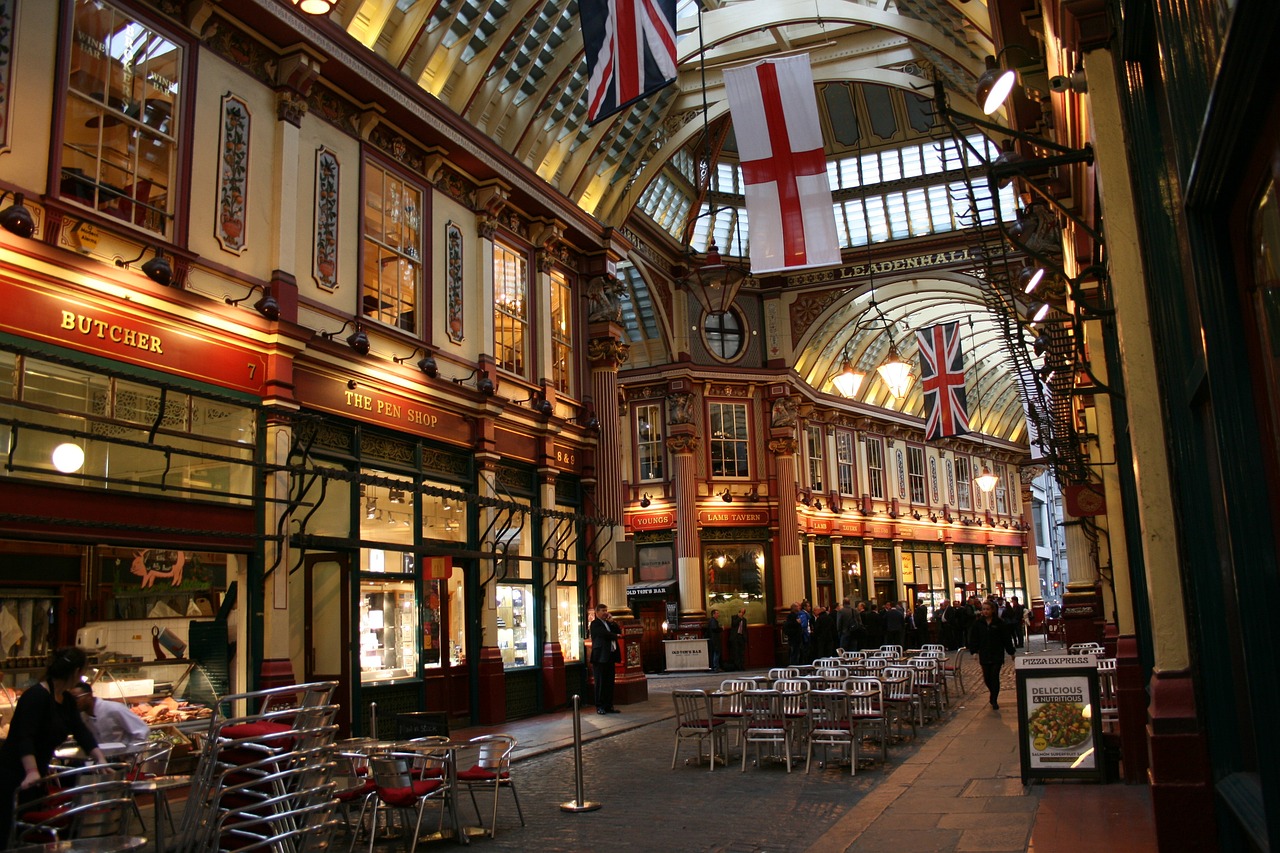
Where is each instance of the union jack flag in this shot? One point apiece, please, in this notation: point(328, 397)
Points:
point(631, 52)
point(946, 408)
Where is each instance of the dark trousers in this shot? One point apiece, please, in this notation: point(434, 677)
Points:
point(603, 675)
point(991, 678)
point(738, 652)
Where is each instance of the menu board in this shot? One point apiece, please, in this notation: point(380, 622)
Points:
point(1058, 725)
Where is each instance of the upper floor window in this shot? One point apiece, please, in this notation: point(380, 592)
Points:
point(875, 468)
point(1002, 504)
point(813, 437)
point(722, 331)
point(392, 275)
point(511, 310)
point(728, 442)
point(915, 474)
point(844, 463)
point(121, 117)
point(561, 333)
point(650, 451)
point(963, 489)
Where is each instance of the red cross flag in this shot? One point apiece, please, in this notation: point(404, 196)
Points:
point(775, 119)
point(942, 377)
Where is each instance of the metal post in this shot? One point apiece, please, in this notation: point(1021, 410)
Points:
point(373, 720)
point(580, 804)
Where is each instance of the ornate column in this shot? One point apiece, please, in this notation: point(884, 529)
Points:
point(791, 567)
point(491, 676)
point(606, 352)
point(1082, 620)
point(683, 447)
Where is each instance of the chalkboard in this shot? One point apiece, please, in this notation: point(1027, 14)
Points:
point(422, 724)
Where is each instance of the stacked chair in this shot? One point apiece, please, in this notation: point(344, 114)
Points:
point(265, 780)
point(79, 802)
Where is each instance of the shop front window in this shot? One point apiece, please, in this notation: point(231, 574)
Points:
point(444, 618)
point(735, 579)
point(882, 575)
point(388, 632)
point(515, 625)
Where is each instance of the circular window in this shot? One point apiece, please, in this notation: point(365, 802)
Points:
point(722, 333)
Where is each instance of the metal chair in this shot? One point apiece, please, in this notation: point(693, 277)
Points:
point(490, 770)
point(929, 686)
point(866, 713)
point(830, 726)
point(398, 785)
point(79, 802)
point(727, 704)
point(694, 720)
point(765, 724)
point(1108, 698)
point(953, 671)
point(900, 697)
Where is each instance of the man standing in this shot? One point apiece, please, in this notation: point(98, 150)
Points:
point(1014, 616)
point(844, 625)
point(110, 722)
point(738, 640)
point(713, 639)
point(604, 654)
point(794, 632)
point(921, 619)
point(895, 624)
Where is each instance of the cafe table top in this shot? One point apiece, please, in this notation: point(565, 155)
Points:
point(102, 844)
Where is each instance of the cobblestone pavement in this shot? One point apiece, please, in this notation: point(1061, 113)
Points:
point(645, 805)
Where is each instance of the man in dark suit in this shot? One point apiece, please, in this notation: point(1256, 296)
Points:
point(605, 653)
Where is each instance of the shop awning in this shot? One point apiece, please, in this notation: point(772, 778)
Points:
point(650, 588)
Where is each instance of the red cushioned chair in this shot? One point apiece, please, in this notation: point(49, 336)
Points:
point(489, 769)
point(83, 802)
point(398, 784)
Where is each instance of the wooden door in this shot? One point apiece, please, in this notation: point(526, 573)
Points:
point(652, 652)
point(327, 632)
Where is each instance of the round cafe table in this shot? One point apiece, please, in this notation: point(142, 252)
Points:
point(103, 844)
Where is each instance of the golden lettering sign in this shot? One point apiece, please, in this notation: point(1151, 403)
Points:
point(89, 327)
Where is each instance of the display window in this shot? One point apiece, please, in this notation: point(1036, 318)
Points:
point(444, 621)
point(388, 630)
point(515, 625)
point(734, 579)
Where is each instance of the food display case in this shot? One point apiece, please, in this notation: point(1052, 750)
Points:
point(15, 676)
point(164, 693)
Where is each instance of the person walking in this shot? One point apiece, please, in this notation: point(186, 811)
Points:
point(990, 639)
point(605, 652)
point(738, 641)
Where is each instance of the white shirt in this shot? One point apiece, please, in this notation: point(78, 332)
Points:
point(112, 722)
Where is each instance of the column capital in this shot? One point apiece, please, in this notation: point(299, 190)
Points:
point(783, 446)
point(607, 353)
point(683, 443)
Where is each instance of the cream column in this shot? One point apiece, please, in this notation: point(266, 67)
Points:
point(605, 352)
point(791, 567)
point(1137, 356)
point(281, 618)
point(683, 446)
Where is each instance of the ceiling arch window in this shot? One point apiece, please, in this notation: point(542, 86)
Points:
point(121, 117)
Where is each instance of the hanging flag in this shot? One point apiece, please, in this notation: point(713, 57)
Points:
point(791, 223)
point(631, 52)
point(946, 409)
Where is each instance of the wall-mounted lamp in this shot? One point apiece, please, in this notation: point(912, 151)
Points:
point(587, 420)
point(1029, 277)
point(726, 495)
point(996, 82)
point(157, 269)
point(484, 384)
point(538, 401)
point(267, 306)
point(357, 340)
point(16, 219)
point(645, 500)
point(933, 516)
point(754, 494)
point(804, 496)
point(1042, 311)
point(352, 385)
point(427, 364)
point(396, 496)
point(817, 505)
point(916, 514)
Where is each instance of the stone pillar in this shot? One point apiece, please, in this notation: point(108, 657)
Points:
point(490, 675)
point(790, 565)
point(277, 609)
point(1082, 620)
point(683, 446)
point(554, 687)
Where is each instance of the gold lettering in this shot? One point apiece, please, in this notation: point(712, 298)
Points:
point(115, 333)
point(68, 320)
point(155, 345)
point(101, 326)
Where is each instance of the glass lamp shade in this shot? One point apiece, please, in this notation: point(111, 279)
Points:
point(994, 85)
point(896, 373)
point(848, 380)
point(68, 458)
point(315, 7)
point(986, 480)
